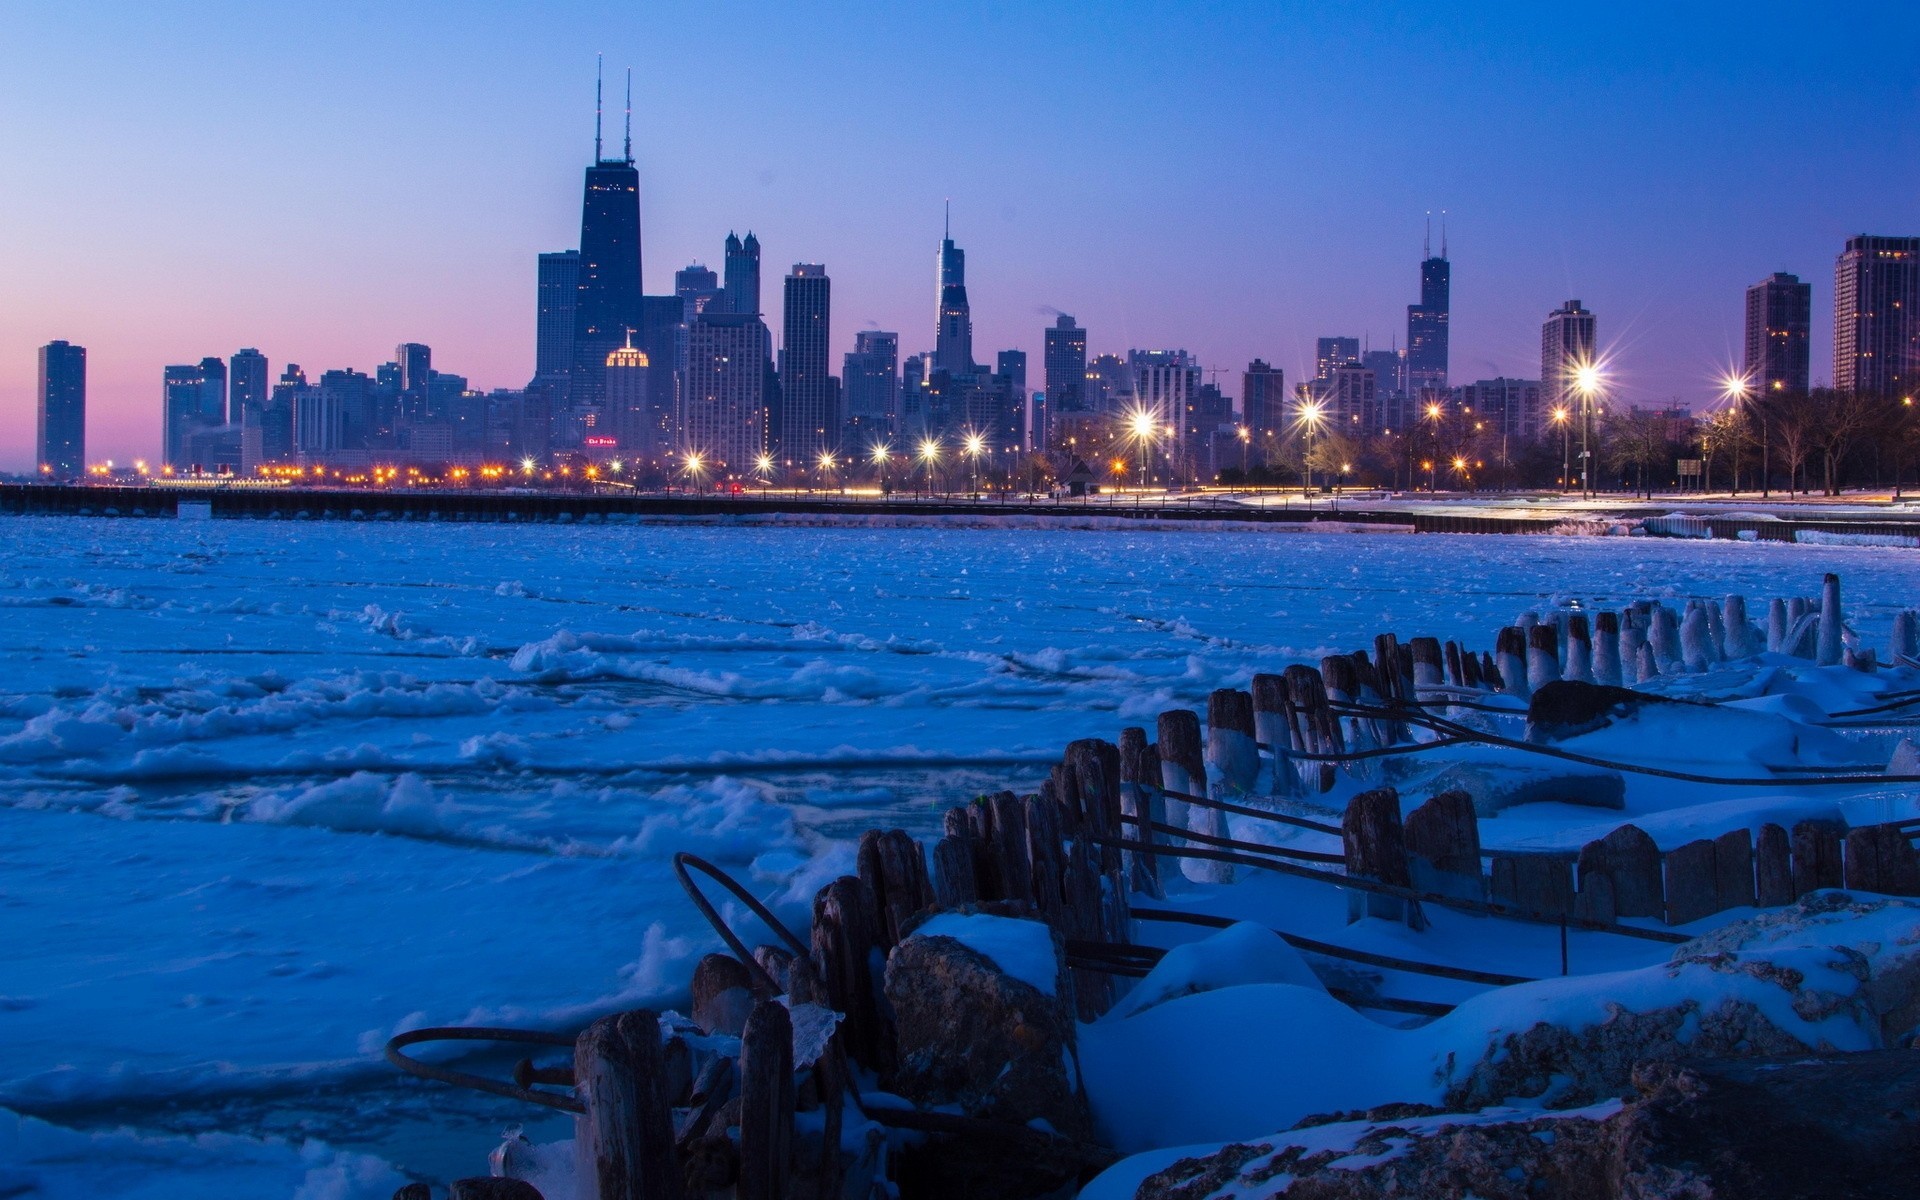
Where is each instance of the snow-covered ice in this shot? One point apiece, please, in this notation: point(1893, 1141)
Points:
point(273, 792)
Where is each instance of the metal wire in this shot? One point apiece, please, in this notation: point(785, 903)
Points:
point(480, 1083)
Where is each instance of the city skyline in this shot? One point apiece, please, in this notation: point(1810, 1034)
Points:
point(1666, 268)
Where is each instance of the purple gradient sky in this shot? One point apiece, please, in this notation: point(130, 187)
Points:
point(325, 181)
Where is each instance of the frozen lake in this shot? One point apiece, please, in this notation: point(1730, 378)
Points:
point(273, 792)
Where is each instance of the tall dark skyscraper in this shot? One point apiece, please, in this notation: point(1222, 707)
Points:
point(556, 295)
point(1332, 353)
point(607, 305)
point(953, 336)
point(1876, 316)
point(1566, 345)
point(1779, 333)
point(742, 286)
point(1065, 364)
point(61, 408)
point(699, 286)
point(808, 424)
point(247, 383)
point(1263, 404)
point(1427, 323)
point(182, 397)
point(870, 377)
point(213, 392)
point(416, 378)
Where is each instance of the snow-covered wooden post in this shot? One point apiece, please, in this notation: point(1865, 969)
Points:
point(844, 950)
point(1905, 642)
point(1375, 848)
point(1773, 867)
point(1543, 657)
point(624, 1140)
point(1443, 847)
point(1183, 769)
point(1606, 649)
point(1233, 760)
point(766, 1103)
point(1739, 629)
point(1510, 657)
point(1827, 648)
point(1429, 668)
point(1315, 730)
point(1141, 800)
point(1664, 639)
point(1816, 857)
point(1579, 656)
point(1695, 639)
point(1456, 671)
point(1270, 727)
point(1777, 625)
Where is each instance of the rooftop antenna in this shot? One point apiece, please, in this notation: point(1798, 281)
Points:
point(629, 146)
point(597, 73)
point(1443, 233)
point(948, 234)
point(1426, 247)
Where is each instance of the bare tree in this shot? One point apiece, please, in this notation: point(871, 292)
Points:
point(1847, 419)
point(1793, 422)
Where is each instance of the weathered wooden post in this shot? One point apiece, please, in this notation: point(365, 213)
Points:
point(844, 949)
point(1579, 649)
point(1315, 728)
point(1880, 859)
point(1456, 671)
point(1606, 649)
point(483, 1187)
point(954, 883)
point(1375, 848)
point(1233, 760)
point(766, 1103)
point(1340, 678)
point(1733, 869)
point(1827, 649)
point(1270, 727)
point(1140, 799)
point(1429, 668)
point(1690, 884)
point(1777, 626)
point(1664, 638)
point(1541, 884)
point(624, 1140)
point(722, 994)
point(1695, 640)
point(1816, 857)
point(893, 868)
point(1903, 648)
point(1443, 847)
point(1773, 868)
point(1510, 657)
point(1183, 769)
point(1543, 657)
point(1630, 861)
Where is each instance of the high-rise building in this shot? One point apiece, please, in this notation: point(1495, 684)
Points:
point(1263, 403)
point(809, 426)
point(1109, 384)
point(742, 268)
point(1065, 363)
point(698, 286)
point(1507, 407)
point(61, 408)
point(247, 383)
point(181, 398)
point(1779, 333)
point(953, 333)
point(607, 305)
point(1346, 399)
point(1333, 352)
point(870, 377)
point(641, 430)
point(724, 420)
point(1164, 383)
point(1876, 316)
point(1427, 324)
point(416, 378)
point(213, 392)
point(1566, 346)
point(1388, 367)
point(557, 294)
point(1011, 367)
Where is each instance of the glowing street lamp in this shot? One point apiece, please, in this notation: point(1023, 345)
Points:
point(975, 446)
point(879, 455)
point(929, 459)
point(1561, 415)
point(1586, 381)
point(1142, 429)
point(1309, 415)
point(696, 465)
point(1737, 388)
point(827, 463)
point(527, 465)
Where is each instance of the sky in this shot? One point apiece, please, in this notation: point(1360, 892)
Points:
point(327, 181)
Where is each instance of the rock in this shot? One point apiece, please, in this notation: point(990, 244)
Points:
point(974, 1037)
point(1803, 1128)
point(1494, 788)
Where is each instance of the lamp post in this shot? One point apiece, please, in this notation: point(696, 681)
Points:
point(879, 457)
point(1899, 443)
point(1738, 389)
point(1434, 413)
point(975, 446)
point(764, 465)
point(695, 465)
point(827, 464)
point(929, 458)
point(1310, 414)
point(1246, 444)
point(1141, 427)
point(1586, 381)
point(1560, 418)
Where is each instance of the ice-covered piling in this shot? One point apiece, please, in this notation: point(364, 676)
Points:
point(1233, 763)
point(1579, 655)
point(1778, 623)
point(1664, 639)
point(1696, 639)
point(1428, 668)
point(1905, 643)
point(1140, 796)
point(1183, 769)
point(1606, 649)
point(1270, 728)
point(1543, 658)
point(1738, 631)
point(1645, 669)
point(1510, 656)
point(1827, 648)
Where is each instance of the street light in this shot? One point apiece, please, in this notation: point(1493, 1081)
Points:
point(929, 458)
point(1142, 428)
point(696, 463)
point(1586, 381)
point(1309, 417)
point(878, 456)
point(975, 447)
point(1246, 444)
point(827, 464)
point(1561, 414)
point(1738, 389)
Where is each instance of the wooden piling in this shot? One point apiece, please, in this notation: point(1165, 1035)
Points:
point(1510, 661)
point(845, 948)
point(624, 1140)
point(1540, 884)
point(1773, 867)
point(1880, 859)
point(722, 994)
point(1690, 883)
point(1631, 862)
point(1443, 847)
point(766, 1103)
point(1733, 869)
point(893, 868)
point(1140, 799)
point(1543, 656)
point(1374, 844)
point(1816, 857)
point(1271, 728)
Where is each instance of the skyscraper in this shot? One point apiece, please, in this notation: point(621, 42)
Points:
point(1010, 366)
point(556, 295)
point(1427, 323)
point(416, 378)
point(808, 424)
point(1566, 345)
point(871, 379)
point(1263, 403)
point(1779, 333)
point(725, 410)
point(213, 392)
point(742, 269)
point(61, 404)
point(1331, 353)
point(181, 398)
point(1065, 364)
point(1388, 367)
point(642, 434)
point(698, 286)
point(247, 382)
point(1876, 316)
point(607, 304)
point(953, 335)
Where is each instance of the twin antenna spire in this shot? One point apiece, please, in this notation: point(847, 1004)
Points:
point(1427, 246)
point(599, 72)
